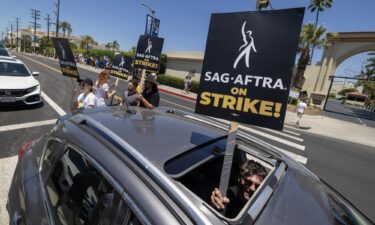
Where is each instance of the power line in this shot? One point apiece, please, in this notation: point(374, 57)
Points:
point(17, 38)
point(57, 13)
point(35, 15)
point(48, 19)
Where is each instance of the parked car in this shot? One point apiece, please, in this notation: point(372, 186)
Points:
point(140, 166)
point(5, 53)
point(17, 83)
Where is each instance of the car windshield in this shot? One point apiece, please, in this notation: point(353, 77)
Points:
point(13, 69)
point(4, 52)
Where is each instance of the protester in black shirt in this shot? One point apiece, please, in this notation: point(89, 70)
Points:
point(251, 175)
point(150, 97)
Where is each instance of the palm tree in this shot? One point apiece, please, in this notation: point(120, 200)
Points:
point(115, 45)
point(108, 46)
point(310, 35)
point(65, 26)
point(318, 6)
point(70, 30)
point(86, 41)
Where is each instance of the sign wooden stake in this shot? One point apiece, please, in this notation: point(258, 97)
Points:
point(116, 83)
point(141, 83)
point(228, 158)
point(74, 95)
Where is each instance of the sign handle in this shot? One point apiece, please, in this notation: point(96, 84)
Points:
point(141, 83)
point(116, 83)
point(228, 158)
point(74, 96)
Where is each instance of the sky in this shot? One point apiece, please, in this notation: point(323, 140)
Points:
point(184, 24)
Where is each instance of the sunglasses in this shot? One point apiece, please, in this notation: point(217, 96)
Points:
point(248, 183)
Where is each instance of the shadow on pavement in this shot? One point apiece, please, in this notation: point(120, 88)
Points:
point(19, 107)
point(356, 114)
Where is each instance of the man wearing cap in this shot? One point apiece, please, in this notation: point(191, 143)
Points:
point(87, 99)
point(150, 97)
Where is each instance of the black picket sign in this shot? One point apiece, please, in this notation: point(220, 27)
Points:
point(148, 53)
point(121, 66)
point(66, 59)
point(248, 66)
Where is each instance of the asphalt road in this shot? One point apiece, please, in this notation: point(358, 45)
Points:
point(346, 166)
point(335, 109)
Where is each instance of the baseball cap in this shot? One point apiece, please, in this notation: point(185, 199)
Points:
point(86, 81)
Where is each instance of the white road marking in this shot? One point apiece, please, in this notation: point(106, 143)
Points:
point(291, 132)
point(282, 134)
point(286, 142)
point(27, 125)
point(355, 115)
point(271, 137)
point(177, 105)
point(294, 156)
point(53, 104)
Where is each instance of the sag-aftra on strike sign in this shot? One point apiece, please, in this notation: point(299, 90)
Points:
point(248, 66)
point(148, 53)
point(66, 59)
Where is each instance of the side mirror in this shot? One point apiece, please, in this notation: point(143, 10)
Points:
point(36, 74)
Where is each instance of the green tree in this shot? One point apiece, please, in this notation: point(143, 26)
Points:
point(86, 42)
point(318, 6)
point(108, 46)
point(310, 35)
point(133, 49)
point(65, 26)
point(44, 43)
point(115, 45)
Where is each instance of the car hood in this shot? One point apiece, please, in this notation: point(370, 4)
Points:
point(13, 82)
point(302, 198)
point(298, 199)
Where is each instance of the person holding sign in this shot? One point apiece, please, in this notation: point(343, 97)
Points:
point(130, 97)
point(150, 97)
point(87, 99)
point(251, 175)
point(102, 88)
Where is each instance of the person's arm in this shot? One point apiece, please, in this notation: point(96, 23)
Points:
point(91, 101)
point(217, 200)
point(147, 104)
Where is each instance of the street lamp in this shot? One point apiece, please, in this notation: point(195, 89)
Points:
point(152, 19)
point(152, 11)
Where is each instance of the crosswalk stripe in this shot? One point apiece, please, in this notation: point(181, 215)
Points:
point(271, 137)
point(291, 132)
point(282, 134)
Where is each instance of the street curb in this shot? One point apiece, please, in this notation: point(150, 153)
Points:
point(298, 127)
point(177, 94)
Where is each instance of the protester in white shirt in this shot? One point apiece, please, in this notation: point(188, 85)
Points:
point(87, 99)
point(102, 88)
point(301, 107)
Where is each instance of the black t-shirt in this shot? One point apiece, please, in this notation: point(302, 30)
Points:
point(152, 97)
point(235, 205)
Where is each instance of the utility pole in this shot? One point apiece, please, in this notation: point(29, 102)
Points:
point(48, 19)
point(7, 38)
point(2, 35)
point(17, 23)
point(11, 34)
point(35, 15)
point(57, 13)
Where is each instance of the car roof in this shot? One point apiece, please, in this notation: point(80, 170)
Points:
point(157, 135)
point(9, 59)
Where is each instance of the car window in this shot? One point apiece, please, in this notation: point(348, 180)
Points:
point(52, 150)
point(79, 194)
point(4, 52)
point(13, 69)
